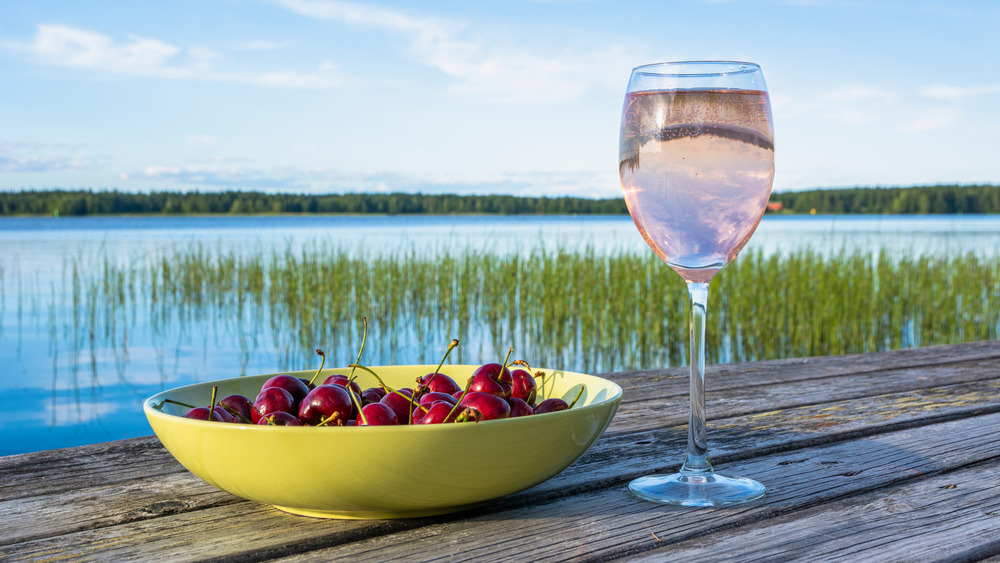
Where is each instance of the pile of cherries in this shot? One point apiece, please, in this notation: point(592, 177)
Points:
point(494, 391)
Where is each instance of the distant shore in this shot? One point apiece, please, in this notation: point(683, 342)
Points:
point(916, 200)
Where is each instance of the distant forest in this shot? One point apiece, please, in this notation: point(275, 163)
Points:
point(911, 200)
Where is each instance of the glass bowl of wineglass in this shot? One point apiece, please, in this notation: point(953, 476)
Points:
point(696, 161)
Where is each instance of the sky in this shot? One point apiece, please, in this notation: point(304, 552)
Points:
point(517, 97)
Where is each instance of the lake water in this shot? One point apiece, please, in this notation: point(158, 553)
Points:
point(57, 391)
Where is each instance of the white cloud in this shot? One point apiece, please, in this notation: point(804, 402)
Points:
point(956, 93)
point(26, 157)
point(229, 175)
point(64, 46)
point(481, 64)
point(935, 119)
point(76, 48)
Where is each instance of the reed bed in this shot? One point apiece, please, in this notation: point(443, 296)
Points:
point(577, 309)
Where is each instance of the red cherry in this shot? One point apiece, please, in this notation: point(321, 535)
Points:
point(372, 395)
point(551, 405)
point(324, 402)
point(290, 383)
point(224, 414)
point(376, 414)
point(201, 413)
point(341, 379)
point(484, 406)
point(438, 382)
point(518, 407)
point(433, 397)
point(524, 386)
point(437, 413)
point(493, 379)
point(272, 399)
point(400, 404)
point(239, 404)
point(279, 419)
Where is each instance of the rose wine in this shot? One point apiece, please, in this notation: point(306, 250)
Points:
point(696, 168)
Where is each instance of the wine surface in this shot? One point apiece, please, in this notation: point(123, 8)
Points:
point(696, 168)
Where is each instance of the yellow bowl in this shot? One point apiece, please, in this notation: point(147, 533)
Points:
point(383, 471)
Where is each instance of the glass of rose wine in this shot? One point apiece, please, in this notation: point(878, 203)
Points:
point(696, 160)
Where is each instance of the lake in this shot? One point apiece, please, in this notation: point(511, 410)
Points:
point(63, 385)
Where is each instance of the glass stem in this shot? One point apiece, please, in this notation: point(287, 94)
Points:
point(697, 450)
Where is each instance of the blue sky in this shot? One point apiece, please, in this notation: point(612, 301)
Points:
point(518, 96)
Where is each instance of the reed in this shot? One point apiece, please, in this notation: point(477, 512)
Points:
point(578, 309)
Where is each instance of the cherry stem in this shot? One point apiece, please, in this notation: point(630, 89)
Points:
point(451, 346)
point(578, 395)
point(321, 362)
point(357, 401)
point(211, 407)
point(236, 413)
point(173, 402)
point(329, 419)
point(382, 383)
point(364, 338)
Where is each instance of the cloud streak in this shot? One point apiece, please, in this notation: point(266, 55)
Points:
point(958, 93)
point(69, 47)
point(13, 160)
point(316, 180)
point(480, 64)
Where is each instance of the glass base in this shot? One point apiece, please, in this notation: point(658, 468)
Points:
point(696, 489)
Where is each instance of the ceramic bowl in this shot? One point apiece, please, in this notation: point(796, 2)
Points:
point(383, 471)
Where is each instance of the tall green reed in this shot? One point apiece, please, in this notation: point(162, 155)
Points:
point(579, 309)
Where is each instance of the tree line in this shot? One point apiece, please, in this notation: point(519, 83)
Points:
point(912, 200)
point(908, 200)
point(80, 202)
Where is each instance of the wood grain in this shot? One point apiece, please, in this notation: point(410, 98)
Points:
point(859, 452)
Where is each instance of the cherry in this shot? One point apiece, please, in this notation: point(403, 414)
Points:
point(524, 387)
point(238, 404)
point(326, 405)
point(295, 387)
point(436, 413)
point(341, 379)
point(519, 407)
point(272, 399)
point(279, 419)
point(372, 395)
point(551, 405)
point(376, 414)
point(434, 397)
point(201, 413)
point(483, 406)
point(400, 403)
point(494, 379)
point(438, 383)
point(224, 414)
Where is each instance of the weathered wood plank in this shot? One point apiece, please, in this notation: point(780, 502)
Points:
point(642, 383)
point(954, 516)
point(638, 415)
point(610, 523)
point(604, 523)
point(610, 461)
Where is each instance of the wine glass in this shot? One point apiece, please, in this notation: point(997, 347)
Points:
point(696, 160)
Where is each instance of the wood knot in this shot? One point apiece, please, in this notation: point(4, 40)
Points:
point(165, 507)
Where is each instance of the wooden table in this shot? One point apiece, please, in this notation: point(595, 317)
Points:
point(887, 456)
